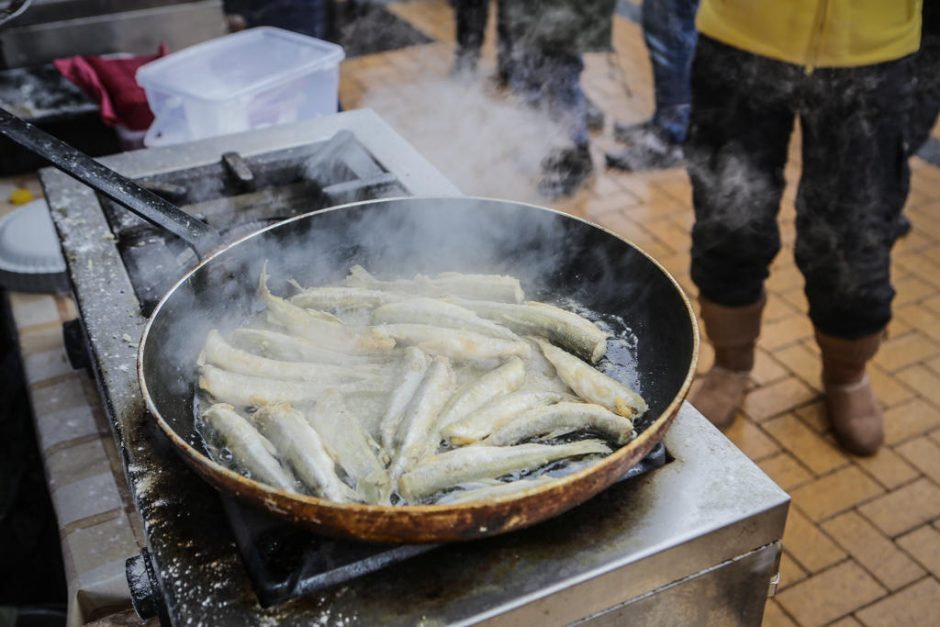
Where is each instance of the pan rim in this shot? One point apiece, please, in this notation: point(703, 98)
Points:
point(269, 492)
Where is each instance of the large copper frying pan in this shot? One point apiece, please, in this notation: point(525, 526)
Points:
point(553, 253)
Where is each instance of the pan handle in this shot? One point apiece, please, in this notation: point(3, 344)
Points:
point(144, 203)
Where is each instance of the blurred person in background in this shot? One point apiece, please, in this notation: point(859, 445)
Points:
point(844, 69)
point(548, 38)
point(670, 36)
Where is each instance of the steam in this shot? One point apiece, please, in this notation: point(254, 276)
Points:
point(486, 144)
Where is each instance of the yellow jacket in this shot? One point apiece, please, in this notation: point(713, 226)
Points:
point(816, 33)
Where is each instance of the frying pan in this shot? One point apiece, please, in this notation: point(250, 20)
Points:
point(555, 255)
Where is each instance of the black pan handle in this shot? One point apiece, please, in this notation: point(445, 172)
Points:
point(144, 203)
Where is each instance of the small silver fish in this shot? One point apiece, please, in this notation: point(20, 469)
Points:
point(474, 286)
point(301, 447)
point(456, 344)
point(416, 432)
point(479, 423)
point(414, 365)
point(351, 447)
point(559, 325)
point(439, 313)
point(561, 418)
point(473, 463)
point(474, 394)
point(249, 448)
point(593, 385)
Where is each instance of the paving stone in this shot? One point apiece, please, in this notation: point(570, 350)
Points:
point(802, 362)
point(801, 441)
point(776, 398)
point(835, 493)
point(766, 368)
point(778, 334)
point(923, 544)
point(923, 380)
point(808, 545)
point(872, 550)
point(918, 604)
point(924, 454)
point(776, 617)
point(923, 319)
point(848, 621)
point(814, 415)
point(905, 508)
point(790, 572)
point(903, 351)
point(786, 471)
point(888, 468)
point(911, 419)
point(830, 595)
point(752, 441)
point(888, 390)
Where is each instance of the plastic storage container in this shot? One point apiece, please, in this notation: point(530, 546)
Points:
point(255, 78)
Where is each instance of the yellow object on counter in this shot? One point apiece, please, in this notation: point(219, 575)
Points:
point(21, 196)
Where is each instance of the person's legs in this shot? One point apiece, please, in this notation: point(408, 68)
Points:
point(471, 18)
point(926, 75)
point(670, 35)
point(737, 149)
point(551, 81)
point(854, 184)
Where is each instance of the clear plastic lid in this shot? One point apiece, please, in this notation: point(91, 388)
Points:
point(239, 64)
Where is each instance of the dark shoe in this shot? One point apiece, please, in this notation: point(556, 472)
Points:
point(903, 225)
point(564, 171)
point(649, 151)
point(466, 62)
point(631, 133)
point(594, 115)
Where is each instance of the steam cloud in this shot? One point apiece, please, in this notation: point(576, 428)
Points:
point(487, 145)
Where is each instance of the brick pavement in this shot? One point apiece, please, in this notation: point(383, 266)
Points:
point(862, 545)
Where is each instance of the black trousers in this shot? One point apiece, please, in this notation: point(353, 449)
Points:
point(854, 182)
point(471, 16)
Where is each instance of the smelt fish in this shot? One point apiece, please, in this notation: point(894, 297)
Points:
point(331, 298)
point(478, 424)
point(220, 353)
point(457, 344)
point(498, 489)
point(474, 394)
point(416, 432)
point(274, 345)
point(300, 446)
point(560, 326)
point(439, 313)
point(413, 366)
point(472, 463)
point(323, 328)
point(560, 418)
point(351, 447)
point(246, 391)
point(591, 384)
point(494, 287)
point(249, 448)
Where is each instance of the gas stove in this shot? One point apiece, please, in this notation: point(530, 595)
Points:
point(694, 540)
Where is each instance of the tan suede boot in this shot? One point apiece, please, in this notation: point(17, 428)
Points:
point(733, 333)
point(853, 410)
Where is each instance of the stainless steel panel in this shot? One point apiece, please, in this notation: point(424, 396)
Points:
point(41, 11)
point(730, 594)
point(137, 32)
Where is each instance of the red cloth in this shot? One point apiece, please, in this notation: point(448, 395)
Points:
point(112, 84)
